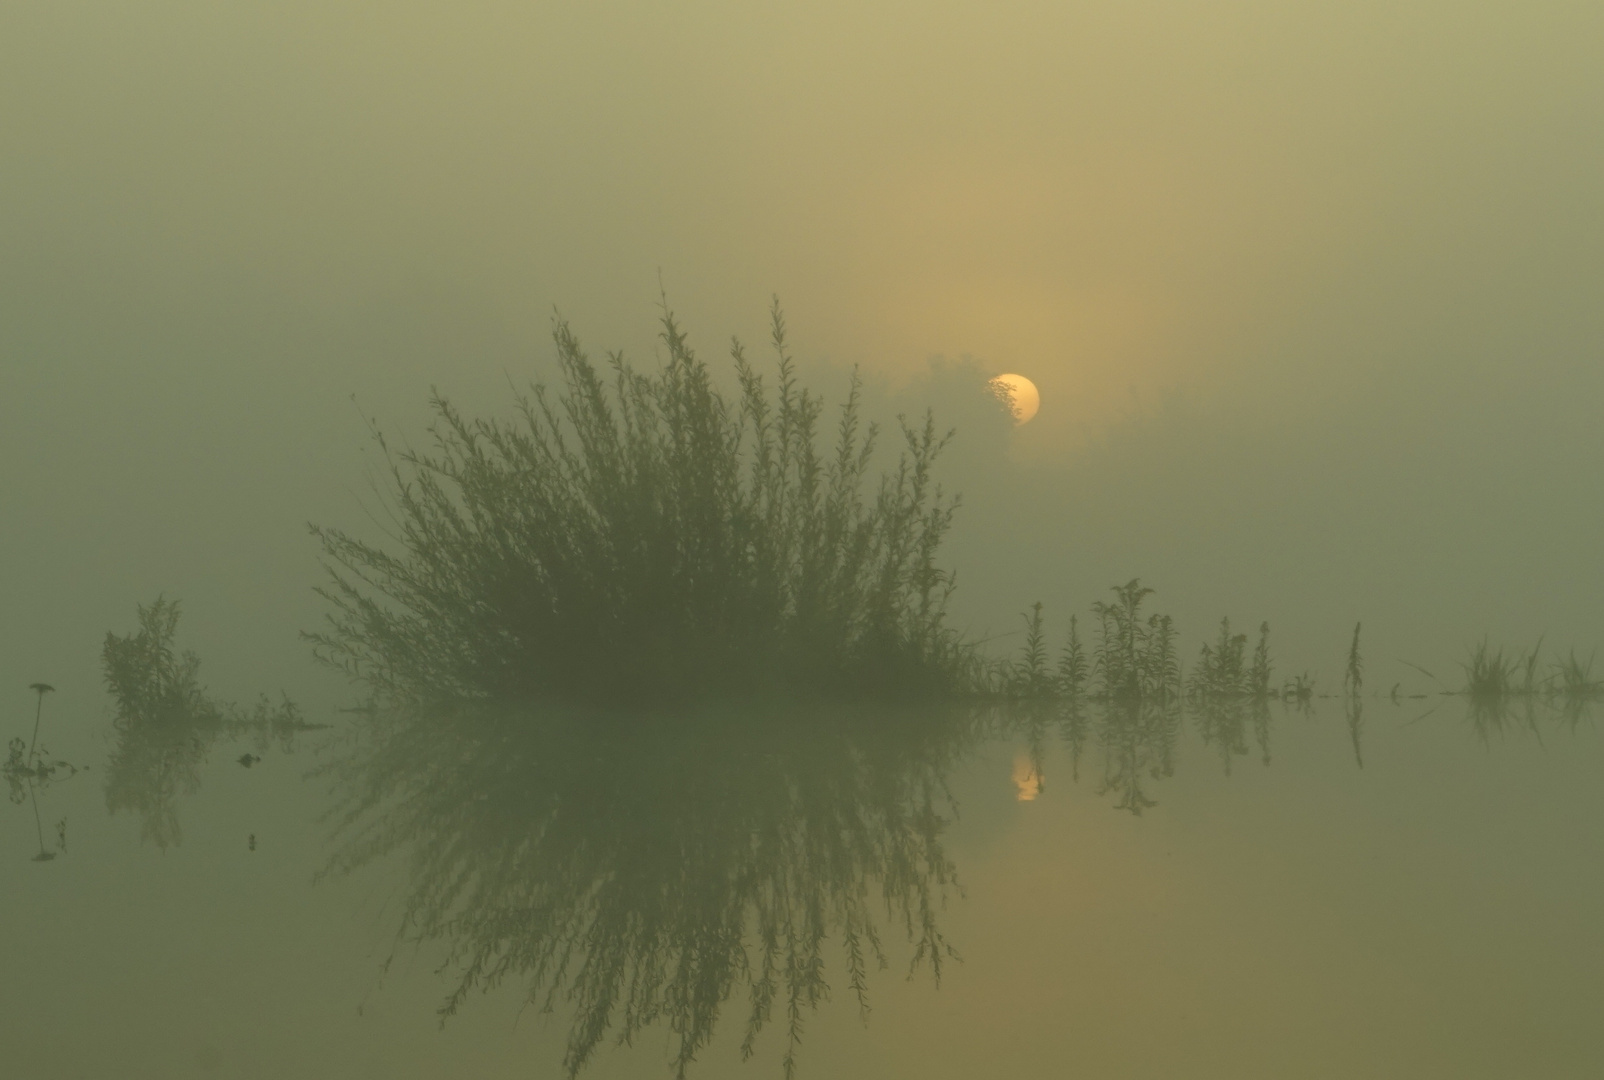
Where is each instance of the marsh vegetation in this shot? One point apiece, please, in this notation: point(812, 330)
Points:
point(659, 700)
point(166, 723)
point(29, 769)
point(643, 537)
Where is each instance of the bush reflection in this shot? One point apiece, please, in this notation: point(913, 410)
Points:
point(649, 869)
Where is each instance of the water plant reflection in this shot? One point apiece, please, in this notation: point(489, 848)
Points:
point(29, 769)
point(166, 724)
point(649, 869)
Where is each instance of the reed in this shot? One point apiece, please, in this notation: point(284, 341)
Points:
point(639, 536)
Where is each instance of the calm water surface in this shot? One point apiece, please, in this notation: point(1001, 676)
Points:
point(1247, 893)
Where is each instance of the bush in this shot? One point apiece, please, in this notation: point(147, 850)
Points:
point(641, 537)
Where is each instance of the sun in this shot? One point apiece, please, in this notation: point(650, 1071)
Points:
point(1020, 395)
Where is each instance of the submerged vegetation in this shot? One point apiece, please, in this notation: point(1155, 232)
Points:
point(640, 536)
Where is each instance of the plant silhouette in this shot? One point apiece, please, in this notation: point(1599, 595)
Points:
point(640, 537)
point(166, 723)
point(29, 769)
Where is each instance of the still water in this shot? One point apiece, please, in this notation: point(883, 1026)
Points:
point(1408, 889)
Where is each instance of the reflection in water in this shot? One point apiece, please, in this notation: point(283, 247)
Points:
point(27, 774)
point(1497, 716)
point(1137, 740)
point(653, 869)
point(166, 724)
point(1027, 778)
point(636, 870)
point(1224, 724)
point(648, 869)
point(29, 769)
point(1354, 707)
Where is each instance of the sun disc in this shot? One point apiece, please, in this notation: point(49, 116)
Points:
point(1019, 394)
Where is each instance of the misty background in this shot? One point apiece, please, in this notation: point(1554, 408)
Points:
point(1311, 292)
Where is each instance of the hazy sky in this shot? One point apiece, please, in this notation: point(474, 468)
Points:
point(1311, 291)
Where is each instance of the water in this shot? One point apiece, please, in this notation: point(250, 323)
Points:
point(1429, 913)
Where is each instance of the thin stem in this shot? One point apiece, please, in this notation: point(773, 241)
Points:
point(33, 797)
point(38, 710)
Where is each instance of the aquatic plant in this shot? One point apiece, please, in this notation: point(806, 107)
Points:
point(1228, 694)
point(1030, 676)
point(166, 723)
point(40, 688)
point(1573, 678)
point(1354, 710)
point(1134, 657)
point(1072, 663)
point(1353, 679)
point(1491, 674)
point(1224, 671)
point(1299, 688)
point(1259, 673)
point(1220, 671)
point(1121, 642)
point(28, 769)
point(640, 536)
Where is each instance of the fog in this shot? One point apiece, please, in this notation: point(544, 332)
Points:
point(1310, 291)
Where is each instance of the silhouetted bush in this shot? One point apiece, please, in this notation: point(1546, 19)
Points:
point(640, 536)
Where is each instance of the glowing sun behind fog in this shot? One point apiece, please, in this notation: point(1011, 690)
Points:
point(1020, 395)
